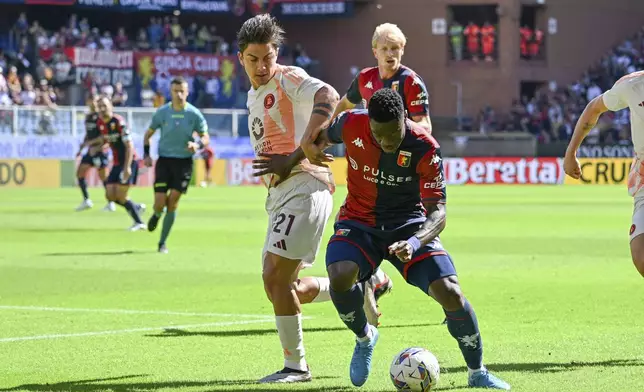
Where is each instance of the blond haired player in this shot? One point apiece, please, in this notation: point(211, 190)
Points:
point(284, 103)
point(628, 92)
point(388, 46)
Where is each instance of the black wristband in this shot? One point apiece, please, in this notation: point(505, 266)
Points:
point(200, 143)
point(146, 150)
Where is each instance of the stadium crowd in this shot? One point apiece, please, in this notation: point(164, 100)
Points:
point(552, 112)
point(39, 79)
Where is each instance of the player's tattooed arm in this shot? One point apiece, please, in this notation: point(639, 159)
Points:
point(325, 100)
point(434, 225)
point(587, 121)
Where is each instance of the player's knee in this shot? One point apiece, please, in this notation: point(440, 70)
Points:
point(447, 293)
point(342, 275)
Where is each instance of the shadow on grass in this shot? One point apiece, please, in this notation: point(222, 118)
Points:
point(550, 367)
point(176, 333)
point(111, 253)
point(112, 384)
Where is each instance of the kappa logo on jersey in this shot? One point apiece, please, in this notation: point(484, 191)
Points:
point(358, 143)
point(269, 101)
point(343, 232)
point(415, 81)
point(354, 164)
point(394, 85)
point(369, 85)
point(257, 128)
point(404, 158)
point(435, 159)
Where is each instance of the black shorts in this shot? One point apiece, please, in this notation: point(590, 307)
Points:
point(172, 173)
point(98, 160)
point(367, 248)
point(115, 175)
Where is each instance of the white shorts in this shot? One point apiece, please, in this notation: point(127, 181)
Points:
point(637, 225)
point(298, 210)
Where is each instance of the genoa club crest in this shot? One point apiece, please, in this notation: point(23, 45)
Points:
point(394, 85)
point(404, 158)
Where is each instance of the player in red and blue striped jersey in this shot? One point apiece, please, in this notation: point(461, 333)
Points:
point(395, 210)
point(388, 45)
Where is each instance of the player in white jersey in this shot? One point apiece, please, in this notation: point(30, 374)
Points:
point(628, 92)
point(284, 103)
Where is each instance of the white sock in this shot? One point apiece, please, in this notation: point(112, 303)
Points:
point(325, 290)
point(379, 277)
point(367, 337)
point(289, 329)
point(472, 371)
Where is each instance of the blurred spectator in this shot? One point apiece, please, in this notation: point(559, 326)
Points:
point(159, 99)
point(472, 32)
point(121, 40)
point(203, 39)
point(456, 40)
point(303, 61)
point(142, 42)
point(106, 41)
point(119, 98)
point(488, 38)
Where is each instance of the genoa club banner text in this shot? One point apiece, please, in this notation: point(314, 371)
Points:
point(157, 69)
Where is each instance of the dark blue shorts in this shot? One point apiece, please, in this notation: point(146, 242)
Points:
point(98, 160)
point(115, 175)
point(368, 247)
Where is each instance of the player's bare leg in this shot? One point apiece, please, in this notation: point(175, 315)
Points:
point(637, 253)
point(118, 193)
point(311, 289)
point(102, 174)
point(463, 326)
point(81, 172)
point(279, 275)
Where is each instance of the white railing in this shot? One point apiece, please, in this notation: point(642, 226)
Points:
point(69, 120)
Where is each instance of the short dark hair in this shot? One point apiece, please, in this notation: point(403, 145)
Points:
point(386, 105)
point(260, 29)
point(178, 80)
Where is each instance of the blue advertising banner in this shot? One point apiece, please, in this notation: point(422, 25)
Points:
point(230, 147)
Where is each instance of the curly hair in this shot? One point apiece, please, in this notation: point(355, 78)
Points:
point(386, 105)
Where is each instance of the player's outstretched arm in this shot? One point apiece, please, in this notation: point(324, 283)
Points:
point(433, 226)
point(585, 124)
point(343, 105)
point(97, 141)
point(324, 103)
point(282, 165)
point(424, 121)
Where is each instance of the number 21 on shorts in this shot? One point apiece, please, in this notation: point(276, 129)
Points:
point(282, 220)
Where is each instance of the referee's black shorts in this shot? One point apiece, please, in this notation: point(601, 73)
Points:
point(172, 173)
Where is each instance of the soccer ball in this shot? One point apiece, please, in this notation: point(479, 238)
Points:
point(414, 369)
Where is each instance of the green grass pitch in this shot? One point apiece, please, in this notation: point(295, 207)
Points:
point(87, 306)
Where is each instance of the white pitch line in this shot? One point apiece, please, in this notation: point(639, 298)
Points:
point(128, 311)
point(124, 331)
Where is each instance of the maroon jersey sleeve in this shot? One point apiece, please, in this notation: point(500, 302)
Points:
point(432, 177)
point(416, 96)
point(123, 129)
point(353, 93)
point(336, 130)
